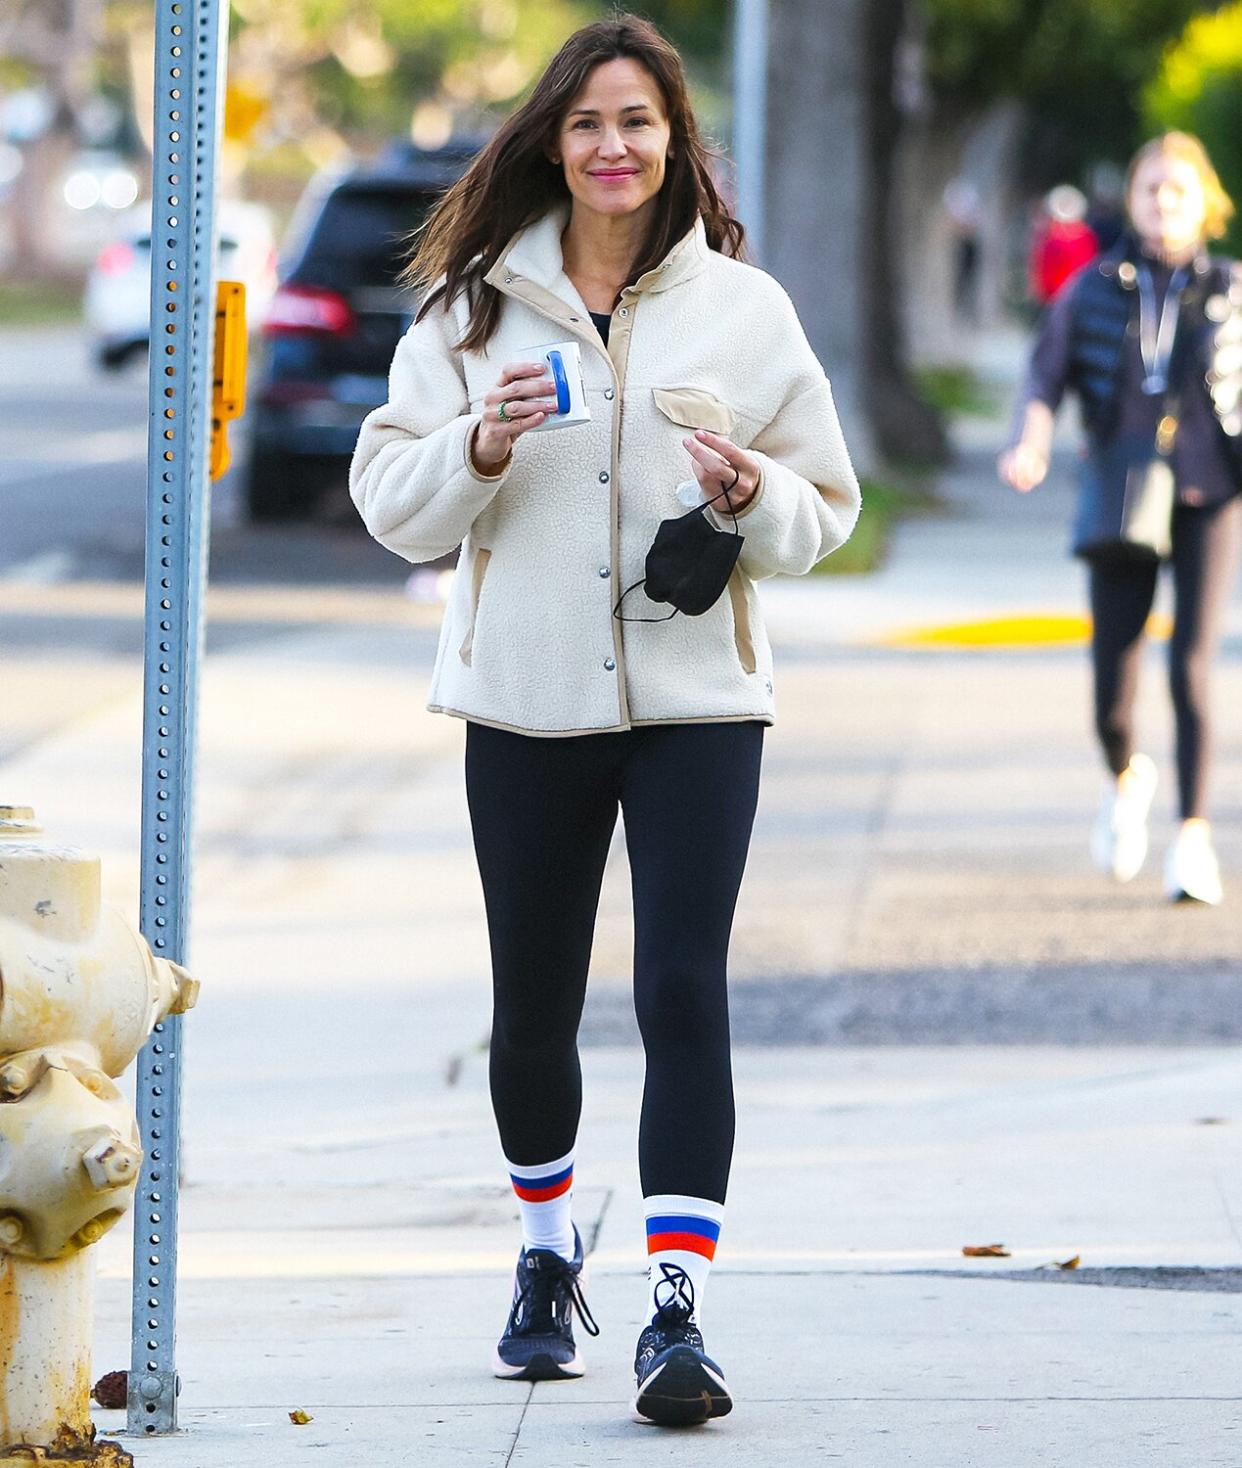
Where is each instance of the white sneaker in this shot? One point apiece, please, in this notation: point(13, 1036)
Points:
point(1119, 836)
point(1191, 871)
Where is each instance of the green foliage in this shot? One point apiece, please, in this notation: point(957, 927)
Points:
point(1081, 64)
point(15, 73)
point(39, 303)
point(956, 389)
point(699, 28)
point(363, 73)
point(883, 503)
point(1198, 89)
point(1041, 49)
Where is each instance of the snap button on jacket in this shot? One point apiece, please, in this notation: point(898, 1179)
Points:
point(529, 641)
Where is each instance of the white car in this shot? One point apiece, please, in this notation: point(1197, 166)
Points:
point(117, 301)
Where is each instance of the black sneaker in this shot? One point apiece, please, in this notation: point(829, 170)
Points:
point(679, 1385)
point(538, 1341)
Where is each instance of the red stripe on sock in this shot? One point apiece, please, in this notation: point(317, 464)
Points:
point(688, 1243)
point(542, 1195)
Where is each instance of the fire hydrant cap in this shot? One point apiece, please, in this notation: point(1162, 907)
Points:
point(111, 1163)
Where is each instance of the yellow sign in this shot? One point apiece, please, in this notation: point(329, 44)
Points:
point(228, 377)
point(244, 110)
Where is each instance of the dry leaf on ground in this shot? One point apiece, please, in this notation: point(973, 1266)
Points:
point(112, 1390)
point(985, 1251)
point(300, 1418)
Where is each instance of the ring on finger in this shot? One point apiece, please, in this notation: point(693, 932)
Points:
point(501, 414)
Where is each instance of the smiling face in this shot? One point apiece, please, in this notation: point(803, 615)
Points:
point(1167, 203)
point(614, 139)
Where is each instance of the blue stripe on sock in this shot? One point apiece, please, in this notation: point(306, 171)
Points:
point(528, 1180)
point(682, 1223)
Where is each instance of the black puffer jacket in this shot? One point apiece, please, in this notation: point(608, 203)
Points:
point(1105, 312)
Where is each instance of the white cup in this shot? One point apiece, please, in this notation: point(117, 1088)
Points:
point(563, 361)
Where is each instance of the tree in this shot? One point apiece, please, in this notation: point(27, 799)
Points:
point(50, 45)
point(906, 425)
point(816, 188)
point(834, 125)
point(1198, 89)
point(364, 72)
point(1019, 95)
point(1079, 66)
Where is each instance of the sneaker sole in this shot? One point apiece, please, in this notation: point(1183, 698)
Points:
point(1179, 894)
point(540, 1367)
point(1104, 840)
point(682, 1392)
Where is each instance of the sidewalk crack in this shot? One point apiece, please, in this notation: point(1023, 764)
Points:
point(597, 1226)
point(1224, 1203)
point(517, 1431)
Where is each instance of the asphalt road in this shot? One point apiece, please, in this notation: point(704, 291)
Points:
point(72, 529)
point(72, 476)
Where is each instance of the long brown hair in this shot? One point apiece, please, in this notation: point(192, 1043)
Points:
point(511, 182)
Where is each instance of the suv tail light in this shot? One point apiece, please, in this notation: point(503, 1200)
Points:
point(303, 308)
point(116, 258)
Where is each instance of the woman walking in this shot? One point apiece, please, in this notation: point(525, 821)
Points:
point(1150, 338)
point(590, 219)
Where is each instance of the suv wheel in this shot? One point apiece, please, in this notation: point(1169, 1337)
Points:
point(277, 487)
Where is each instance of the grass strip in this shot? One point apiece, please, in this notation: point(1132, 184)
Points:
point(958, 391)
point(39, 302)
point(883, 503)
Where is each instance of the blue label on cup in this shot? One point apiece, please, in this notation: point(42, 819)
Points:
point(557, 364)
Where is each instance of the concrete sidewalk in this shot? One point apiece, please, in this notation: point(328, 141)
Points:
point(352, 1260)
point(918, 875)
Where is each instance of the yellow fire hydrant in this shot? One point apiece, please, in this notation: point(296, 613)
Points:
point(80, 991)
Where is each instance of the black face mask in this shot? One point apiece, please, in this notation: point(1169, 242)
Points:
point(688, 565)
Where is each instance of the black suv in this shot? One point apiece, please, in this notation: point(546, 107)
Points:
point(335, 321)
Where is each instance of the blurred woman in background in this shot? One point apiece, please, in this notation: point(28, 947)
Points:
point(1150, 338)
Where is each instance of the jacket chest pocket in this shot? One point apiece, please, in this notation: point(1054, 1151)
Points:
point(478, 571)
point(695, 407)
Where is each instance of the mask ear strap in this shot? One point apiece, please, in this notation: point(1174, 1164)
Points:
point(727, 490)
point(616, 611)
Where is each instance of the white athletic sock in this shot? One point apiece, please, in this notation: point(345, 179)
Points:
point(681, 1244)
point(544, 1195)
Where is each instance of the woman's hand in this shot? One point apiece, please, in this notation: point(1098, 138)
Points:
point(523, 393)
point(1024, 466)
point(719, 464)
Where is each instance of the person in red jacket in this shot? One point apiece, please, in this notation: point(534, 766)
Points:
point(1064, 242)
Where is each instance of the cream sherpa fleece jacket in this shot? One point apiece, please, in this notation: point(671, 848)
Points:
point(529, 641)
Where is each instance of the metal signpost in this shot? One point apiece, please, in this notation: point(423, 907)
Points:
point(190, 42)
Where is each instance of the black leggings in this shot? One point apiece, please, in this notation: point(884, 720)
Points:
point(543, 812)
point(1205, 556)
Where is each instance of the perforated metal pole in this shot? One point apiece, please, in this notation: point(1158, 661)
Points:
point(190, 42)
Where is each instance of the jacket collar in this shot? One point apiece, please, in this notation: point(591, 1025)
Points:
point(1122, 260)
point(534, 256)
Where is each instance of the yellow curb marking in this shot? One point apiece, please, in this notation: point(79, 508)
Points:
point(1034, 629)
